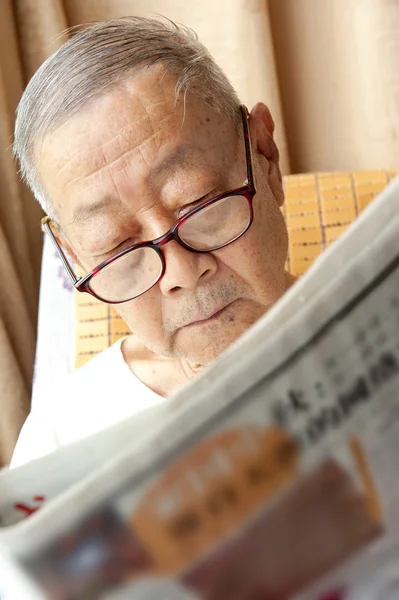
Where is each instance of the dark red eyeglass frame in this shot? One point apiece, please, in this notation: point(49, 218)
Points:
point(248, 190)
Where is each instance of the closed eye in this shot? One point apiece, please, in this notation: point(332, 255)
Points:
point(187, 207)
point(108, 253)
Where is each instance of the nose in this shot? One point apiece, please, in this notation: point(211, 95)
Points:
point(185, 270)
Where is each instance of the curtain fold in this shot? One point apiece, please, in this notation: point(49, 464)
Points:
point(338, 67)
point(41, 31)
point(327, 70)
point(20, 250)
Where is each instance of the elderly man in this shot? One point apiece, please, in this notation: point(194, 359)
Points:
point(167, 193)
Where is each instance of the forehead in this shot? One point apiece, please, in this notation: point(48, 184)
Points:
point(136, 130)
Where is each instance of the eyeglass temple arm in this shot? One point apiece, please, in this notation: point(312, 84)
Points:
point(247, 141)
point(47, 229)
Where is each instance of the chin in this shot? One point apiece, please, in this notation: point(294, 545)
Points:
point(208, 342)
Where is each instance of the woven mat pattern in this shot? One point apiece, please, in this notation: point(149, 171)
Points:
point(318, 209)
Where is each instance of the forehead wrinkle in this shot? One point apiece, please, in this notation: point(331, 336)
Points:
point(137, 149)
point(75, 160)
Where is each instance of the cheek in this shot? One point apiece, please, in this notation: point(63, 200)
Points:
point(269, 233)
point(259, 257)
point(144, 316)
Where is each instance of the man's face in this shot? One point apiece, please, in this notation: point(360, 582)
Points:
point(126, 167)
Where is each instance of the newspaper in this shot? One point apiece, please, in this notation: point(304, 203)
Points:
point(273, 475)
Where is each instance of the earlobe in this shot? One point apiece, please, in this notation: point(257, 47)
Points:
point(262, 129)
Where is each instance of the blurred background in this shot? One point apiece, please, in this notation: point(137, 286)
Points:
point(328, 70)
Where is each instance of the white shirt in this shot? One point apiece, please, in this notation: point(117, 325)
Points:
point(98, 395)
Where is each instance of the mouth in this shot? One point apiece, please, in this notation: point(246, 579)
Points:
point(212, 317)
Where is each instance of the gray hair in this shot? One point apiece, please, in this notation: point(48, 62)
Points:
point(72, 77)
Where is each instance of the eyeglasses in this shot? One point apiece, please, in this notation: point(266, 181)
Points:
point(211, 225)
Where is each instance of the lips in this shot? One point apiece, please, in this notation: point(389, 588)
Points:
point(205, 318)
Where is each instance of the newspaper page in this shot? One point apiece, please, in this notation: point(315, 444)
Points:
point(276, 475)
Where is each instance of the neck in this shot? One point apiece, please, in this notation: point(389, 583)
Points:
point(190, 369)
point(161, 374)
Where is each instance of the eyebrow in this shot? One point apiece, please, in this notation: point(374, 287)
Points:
point(176, 159)
point(83, 212)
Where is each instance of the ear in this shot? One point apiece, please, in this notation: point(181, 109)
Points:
point(261, 125)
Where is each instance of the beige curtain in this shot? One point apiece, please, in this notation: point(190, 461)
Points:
point(338, 71)
point(20, 248)
point(327, 69)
